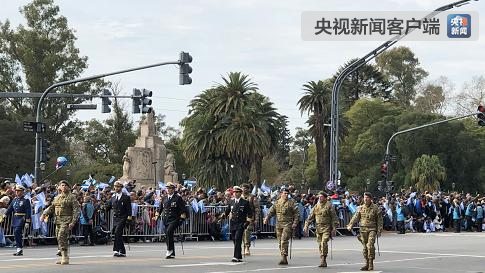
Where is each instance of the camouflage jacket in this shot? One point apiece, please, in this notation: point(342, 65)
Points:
point(324, 216)
point(65, 207)
point(370, 218)
point(254, 205)
point(286, 211)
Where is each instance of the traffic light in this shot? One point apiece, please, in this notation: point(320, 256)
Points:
point(185, 68)
point(136, 101)
point(384, 171)
point(145, 101)
point(106, 102)
point(481, 116)
point(45, 150)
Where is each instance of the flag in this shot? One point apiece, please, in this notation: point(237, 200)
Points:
point(265, 188)
point(26, 180)
point(111, 180)
point(210, 191)
point(134, 209)
point(202, 206)
point(162, 186)
point(101, 185)
point(17, 179)
point(195, 205)
point(99, 195)
point(125, 191)
point(41, 197)
point(254, 191)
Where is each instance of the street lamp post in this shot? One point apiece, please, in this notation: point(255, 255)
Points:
point(64, 83)
point(68, 173)
point(154, 164)
point(367, 184)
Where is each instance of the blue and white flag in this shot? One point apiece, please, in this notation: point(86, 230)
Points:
point(26, 180)
point(162, 186)
point(265, 188)
point(112, 179)
point(134, 209)
point(101, 185)
point(202, 206)
point(210, 191)
point(17, 179)
point(125, 191)
point(195, 205)
point(255, 190)
point(41, 198)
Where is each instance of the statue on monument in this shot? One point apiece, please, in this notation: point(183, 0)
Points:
point(126, 165)
point(169, 164)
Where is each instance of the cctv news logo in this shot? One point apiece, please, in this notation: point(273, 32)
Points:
point(459, 25)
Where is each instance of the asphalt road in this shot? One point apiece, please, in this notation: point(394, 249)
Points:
point(439, 252)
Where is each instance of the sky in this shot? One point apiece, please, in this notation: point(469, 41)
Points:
point(261, 38)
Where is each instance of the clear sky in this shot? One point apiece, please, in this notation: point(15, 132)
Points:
point(261, 38)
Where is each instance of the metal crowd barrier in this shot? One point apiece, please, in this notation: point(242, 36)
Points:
point(201, 223)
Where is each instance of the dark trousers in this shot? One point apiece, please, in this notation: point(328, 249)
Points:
point(479, 224)
point(169, 231)
point(17, 231)
point(236, 236)
point(118, 231)
point(469, 223)
point(457, 223)
point(88, 233)
point(401, 229)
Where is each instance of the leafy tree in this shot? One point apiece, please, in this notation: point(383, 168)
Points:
point(401, 67)
point(427, 173)
point(472, 95)
point(431, 99)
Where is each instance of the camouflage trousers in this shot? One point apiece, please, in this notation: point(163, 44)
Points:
point(283, 235)
point(62, 234)
point(322, 239)
point(368, 239)
point(247, 235)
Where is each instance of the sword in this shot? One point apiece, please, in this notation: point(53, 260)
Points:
point(291, 242)
point(181, 243)
point(378, 251)
point(129, 232)
point(331, 247)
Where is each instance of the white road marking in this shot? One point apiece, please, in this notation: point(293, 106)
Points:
point(426, 253)
point(203, 264)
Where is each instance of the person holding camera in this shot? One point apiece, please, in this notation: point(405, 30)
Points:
point(240, 216)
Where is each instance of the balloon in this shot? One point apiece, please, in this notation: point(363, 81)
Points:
point(61, 162)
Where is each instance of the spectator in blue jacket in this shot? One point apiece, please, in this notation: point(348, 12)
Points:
point(86, 220)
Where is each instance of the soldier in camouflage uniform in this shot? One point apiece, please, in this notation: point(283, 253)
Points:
point(256, 209)
point(326, 225)
point(287, 217)
point(66, 209)
point(370, 218)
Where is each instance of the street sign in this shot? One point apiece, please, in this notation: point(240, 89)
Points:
point(34, 127)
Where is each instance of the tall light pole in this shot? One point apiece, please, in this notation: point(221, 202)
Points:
point(180, 62)
point(154, 165)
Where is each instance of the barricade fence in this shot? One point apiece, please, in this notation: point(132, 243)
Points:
point(204, 222)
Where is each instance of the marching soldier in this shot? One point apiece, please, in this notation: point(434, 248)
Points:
point(174, 212)
point(256, 209)
point(66, 209)
point(240, 216)
point(21, 209)
point(326, 225)
point(287, 217)
point(120, 204)
point(370, 218)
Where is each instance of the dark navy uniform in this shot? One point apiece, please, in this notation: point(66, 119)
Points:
point(240, 216)
point(121, 209)
point(173, 213)
point(21, 215)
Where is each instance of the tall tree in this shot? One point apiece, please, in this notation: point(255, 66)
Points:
point(472, 95)
point(431, 99)
point(427, 173)
point(401, 67)
point(316, 102)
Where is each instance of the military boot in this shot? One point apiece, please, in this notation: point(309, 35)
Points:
point(283, 261)
point(366, 266)
point(65, 257)
point(371, 265)
point(246, 251)
point(323, 261)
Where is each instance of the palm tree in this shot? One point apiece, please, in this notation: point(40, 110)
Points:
point(229, 128)
point(316, 102)
point(427, 173)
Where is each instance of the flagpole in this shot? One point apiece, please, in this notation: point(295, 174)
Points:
point(43, 179)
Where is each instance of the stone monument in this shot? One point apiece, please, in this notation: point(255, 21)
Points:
point(145, 162)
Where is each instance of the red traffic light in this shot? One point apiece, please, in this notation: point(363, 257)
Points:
point(481, 116)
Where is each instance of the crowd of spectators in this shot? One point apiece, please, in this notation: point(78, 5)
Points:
point(403, 211)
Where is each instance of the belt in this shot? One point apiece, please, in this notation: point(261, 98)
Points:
point(19, 214)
